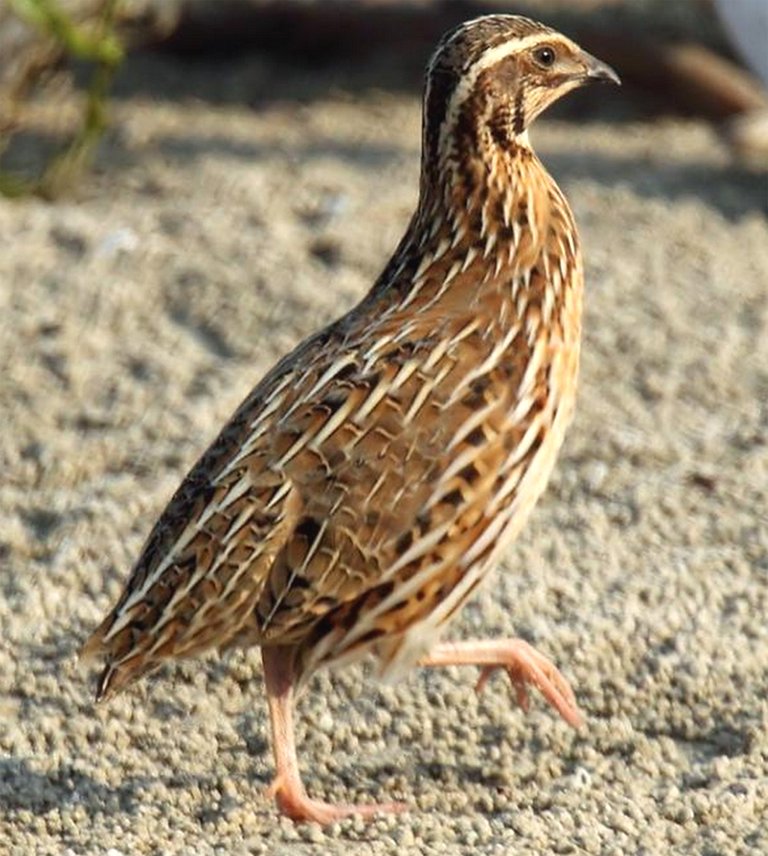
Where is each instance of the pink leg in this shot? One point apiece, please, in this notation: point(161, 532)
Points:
point(287, 787)
point(523, 663)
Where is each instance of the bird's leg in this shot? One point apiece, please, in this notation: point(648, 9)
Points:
point(523, 663)
point(287, 787)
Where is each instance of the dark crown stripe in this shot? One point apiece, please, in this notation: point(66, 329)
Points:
point(454, 57)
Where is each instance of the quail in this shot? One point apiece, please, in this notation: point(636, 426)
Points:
point(366, 486)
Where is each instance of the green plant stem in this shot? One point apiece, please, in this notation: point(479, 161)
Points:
point(100, 47)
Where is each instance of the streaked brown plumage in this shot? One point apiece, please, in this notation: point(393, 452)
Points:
point(364, 488)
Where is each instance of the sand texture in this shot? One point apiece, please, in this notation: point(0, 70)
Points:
point(227, 219)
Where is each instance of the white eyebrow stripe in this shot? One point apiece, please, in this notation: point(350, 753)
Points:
point(505, 49)
point(490, 57)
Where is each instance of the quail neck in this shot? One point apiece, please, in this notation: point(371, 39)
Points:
point(490, 219)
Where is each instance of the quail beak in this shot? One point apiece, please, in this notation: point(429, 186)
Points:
point(594, 70)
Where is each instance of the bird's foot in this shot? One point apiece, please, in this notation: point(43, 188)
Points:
point(294, 802)
point(525, 665)
point(522, 663)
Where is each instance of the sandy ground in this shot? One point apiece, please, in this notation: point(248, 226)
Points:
point(213, 236)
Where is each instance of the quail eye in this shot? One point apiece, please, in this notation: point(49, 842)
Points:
point(545, 56)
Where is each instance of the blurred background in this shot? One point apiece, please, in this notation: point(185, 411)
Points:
point(190, 187)
point(685, 57)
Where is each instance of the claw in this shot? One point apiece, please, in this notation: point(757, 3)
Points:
point(518, 682)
